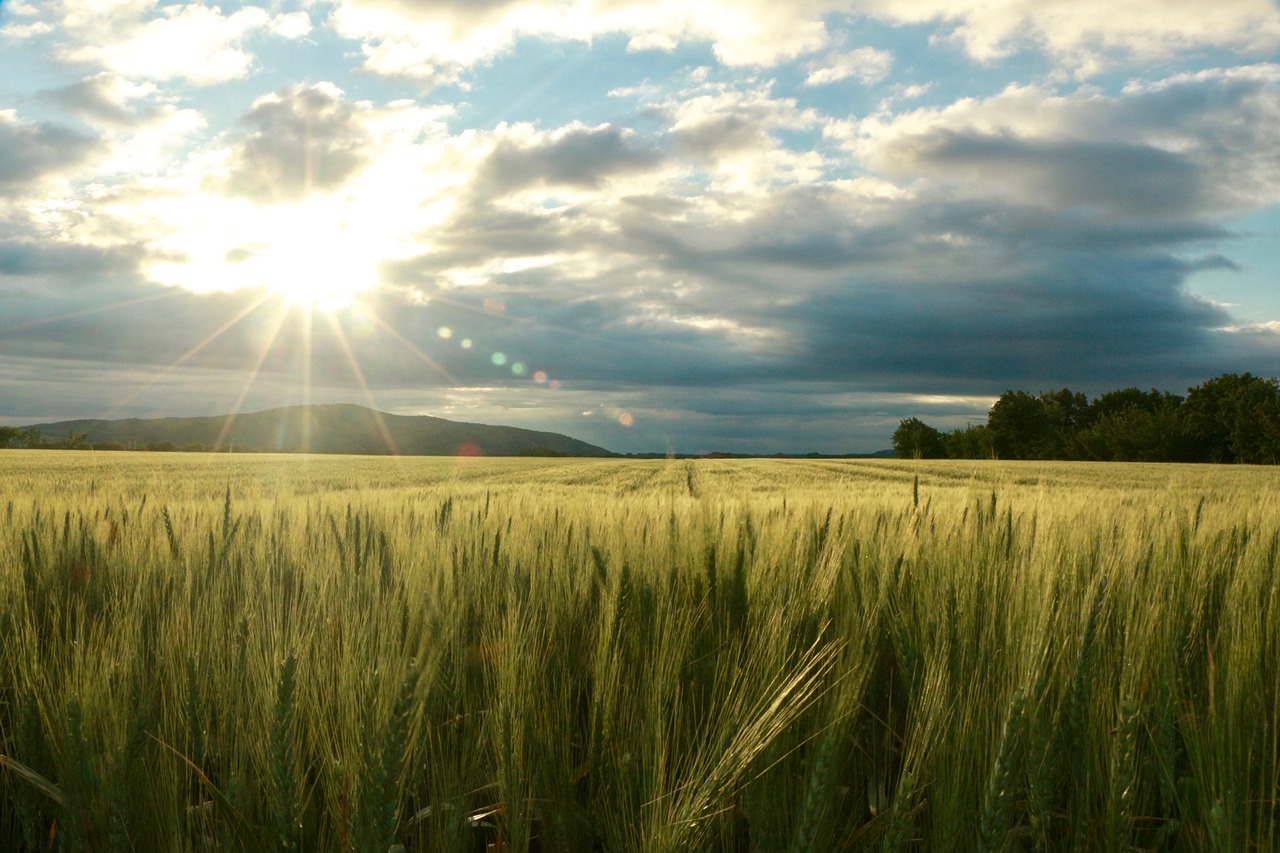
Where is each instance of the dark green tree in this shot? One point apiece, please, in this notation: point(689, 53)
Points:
point(1125, 399)
point(76, 441)
point(1235, 418)
point(1139, 434)
point(1067, 414)
point(1020, 426)
point(971, 442)
point(915, 439)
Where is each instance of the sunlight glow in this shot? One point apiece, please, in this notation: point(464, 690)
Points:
point(314, 254)
point(318, 253)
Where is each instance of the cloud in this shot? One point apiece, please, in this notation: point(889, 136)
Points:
point(732, 252)
point(34, 151)
point(304, 139)
point(194, 42)
point(1036, 325)
point(1113, 177)
point(734, 132)
point(292, 25)
point(66, 261)
point(571, 156)
point(865, 64)
point(1087, 36)
point(1185, 146)
point(437, 42)
point(987, 244)
point(307, 192)
point(103, 99)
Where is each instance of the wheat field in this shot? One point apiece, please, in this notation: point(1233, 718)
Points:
point(228, 652)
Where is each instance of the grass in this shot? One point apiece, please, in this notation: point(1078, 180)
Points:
point(332, 654)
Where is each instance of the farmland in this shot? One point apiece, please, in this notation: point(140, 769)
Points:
point(224, 652)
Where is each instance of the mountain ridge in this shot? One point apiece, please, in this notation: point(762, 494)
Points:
point(334, 428)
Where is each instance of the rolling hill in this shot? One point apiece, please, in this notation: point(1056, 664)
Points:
point(335, 428)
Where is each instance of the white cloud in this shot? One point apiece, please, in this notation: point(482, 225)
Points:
point(1270, 328)
point(866, 64)
point(291, 25)
point(438, 42)
point(731, 131)
point(144, 39)
point(194, 42)
point(1087, 35)
point(148, 148)
point(1183, 146)
point(24, 31)
point(19, 31)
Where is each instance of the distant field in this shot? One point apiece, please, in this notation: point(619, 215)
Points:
point(229, 652)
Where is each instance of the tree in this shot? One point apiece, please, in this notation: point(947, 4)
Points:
point(1125, 399)
point(971, 442)
point(1020, 427)
point(915, 439)
point(8, 434)
point(1138, 434)
point(1130, 425)
point(1068, 414)
point(32, 437)
point(1235, 418)
point(75, 441)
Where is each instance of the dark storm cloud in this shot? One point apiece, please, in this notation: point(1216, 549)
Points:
point(1072, 321)
point(302, 140)
point(30, 151)
point(579, 157)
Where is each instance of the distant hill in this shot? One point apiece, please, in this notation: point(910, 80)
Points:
point(336, 428)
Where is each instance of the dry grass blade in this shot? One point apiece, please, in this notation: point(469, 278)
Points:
point(30, 776)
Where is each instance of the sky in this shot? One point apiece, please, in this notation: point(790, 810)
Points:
point(733, 225)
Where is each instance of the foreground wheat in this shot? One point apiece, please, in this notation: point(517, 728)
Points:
point(250, 653)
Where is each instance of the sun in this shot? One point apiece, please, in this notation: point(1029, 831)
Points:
point(315, 254)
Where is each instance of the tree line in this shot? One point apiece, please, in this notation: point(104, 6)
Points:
point(31, 438)
point(1233, 418)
